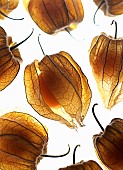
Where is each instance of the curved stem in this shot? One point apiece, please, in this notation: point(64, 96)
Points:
point(15, 46)
point(100, 5)
point(41, 45)
point(69, 33)
point(96, 117)
point(74, 153)
point(10, 17)
point(57, 156)
point(67, 30)
point(115, 28)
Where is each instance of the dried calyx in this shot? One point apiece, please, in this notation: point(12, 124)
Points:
point(62, 91)
point(108, 144)
point(23, 142)
point(55, 16)
point(10, 59)
point(106, 61)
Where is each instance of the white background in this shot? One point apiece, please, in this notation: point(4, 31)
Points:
point(13, 97)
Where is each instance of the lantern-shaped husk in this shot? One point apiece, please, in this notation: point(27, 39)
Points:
point(109, 145)
point(106, 59)
point(56, 15)
point(9, 60)
point(57, 89)
point(89, 165)
point(110, 7)
point(7, 6)
point(22, 140)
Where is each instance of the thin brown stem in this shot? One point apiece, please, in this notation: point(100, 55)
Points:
point(70, 33)
point(74, 152)
point(10, 17)
point(96, 117)
point(41, 45)
point(16, 45)
point(100, 5)
point(115, 28)
point(57, 156)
